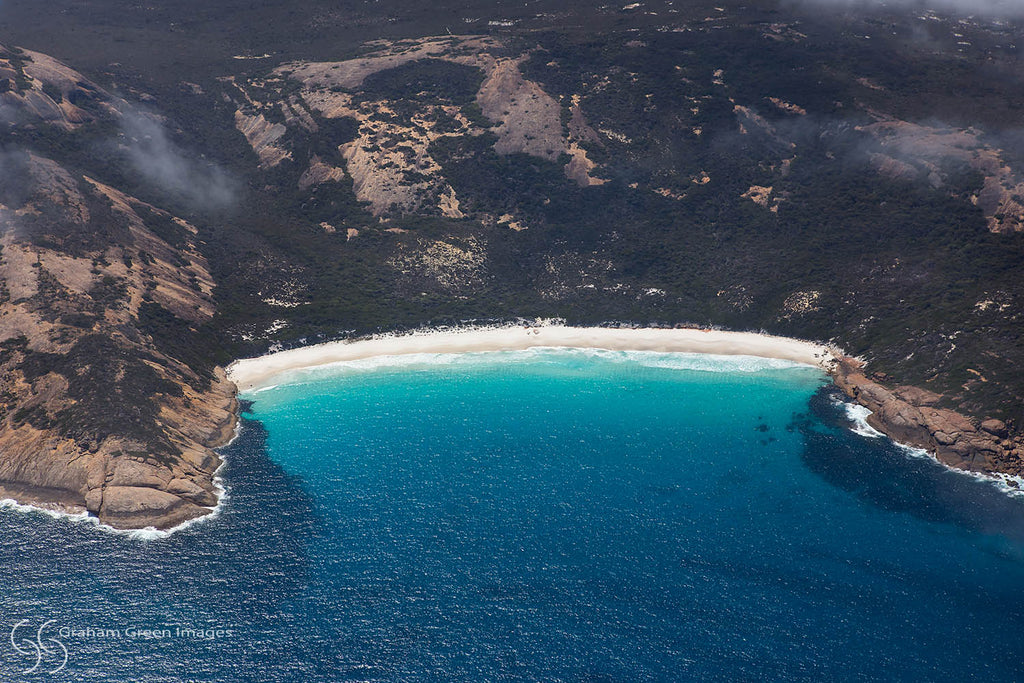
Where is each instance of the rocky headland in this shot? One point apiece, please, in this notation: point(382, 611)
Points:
point(916, 417)
point(104, 407)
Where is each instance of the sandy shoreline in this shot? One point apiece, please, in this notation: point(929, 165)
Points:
point(253, 373)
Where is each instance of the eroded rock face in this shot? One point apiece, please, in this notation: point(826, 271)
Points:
point(99, 472)
point(910, 415)
point(120, 480)
point(528, 116)
point(263, 135)
point(36, 89)
point(97, 412)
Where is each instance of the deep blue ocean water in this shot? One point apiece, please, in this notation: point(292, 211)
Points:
point(546, 515)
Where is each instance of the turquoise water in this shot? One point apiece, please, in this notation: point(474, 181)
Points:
point(551, 515)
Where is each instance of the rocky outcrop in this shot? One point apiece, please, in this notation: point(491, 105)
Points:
point(912, 416)
point(263, 136)
point(383, 54)
point(390, 160)
point(910, 151)
point(36, 89)
point(101, 296)
point(529, 118)
point(319, 173)
point(121, 482)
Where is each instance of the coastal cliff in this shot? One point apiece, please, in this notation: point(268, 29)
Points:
point(118, 480)
point(915, 417)
point(104, 405)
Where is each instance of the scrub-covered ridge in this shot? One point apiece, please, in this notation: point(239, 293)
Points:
point(192, 195)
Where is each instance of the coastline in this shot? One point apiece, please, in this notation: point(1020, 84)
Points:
point(913, 417)
point(211, 431)
point(79, 515)
point(906, 415)
point(254, 373)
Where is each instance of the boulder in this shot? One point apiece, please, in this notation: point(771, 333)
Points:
point(137, 507)
point(995, 428)
point(128, 472)
point(917, 396)
point(191, 491)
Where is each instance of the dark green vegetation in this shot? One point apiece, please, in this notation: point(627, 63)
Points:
point(426, 80)
point(894, 268)
point(102, 407)
point(163, 42)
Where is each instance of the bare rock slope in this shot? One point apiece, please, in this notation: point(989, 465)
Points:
point(913, 416)
point(96, 411)
point(389, 160)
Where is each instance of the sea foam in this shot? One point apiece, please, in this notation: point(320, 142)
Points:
point(858, 414)
point(667, 360)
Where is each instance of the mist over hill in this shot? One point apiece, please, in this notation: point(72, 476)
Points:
point(192, 182)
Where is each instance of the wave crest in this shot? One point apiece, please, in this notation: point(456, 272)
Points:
point(667, 360)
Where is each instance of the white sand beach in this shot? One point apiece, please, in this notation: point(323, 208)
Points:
point(253, 373)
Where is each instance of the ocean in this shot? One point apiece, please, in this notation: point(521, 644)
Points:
point(547, 515)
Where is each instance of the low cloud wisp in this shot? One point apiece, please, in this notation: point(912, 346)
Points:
point(983, 8)
point(163, 164)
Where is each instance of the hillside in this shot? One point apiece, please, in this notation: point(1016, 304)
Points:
point(856, 179)
point(96, 415)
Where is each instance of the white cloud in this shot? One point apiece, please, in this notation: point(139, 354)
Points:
point(987, 8)
point(163, 164)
